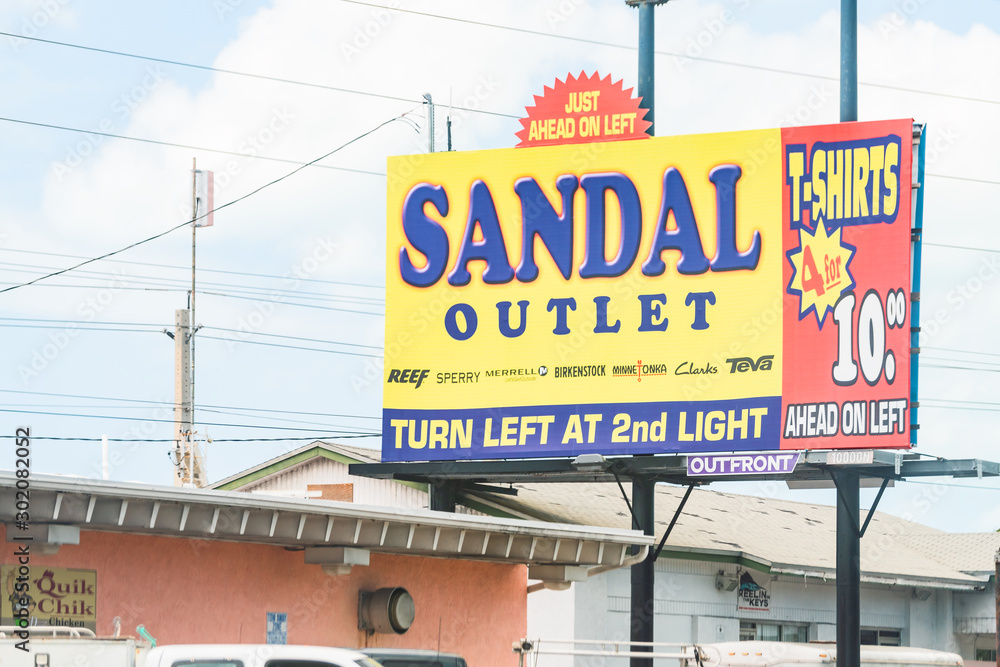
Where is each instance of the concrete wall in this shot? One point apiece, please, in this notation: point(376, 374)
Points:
point(689, 608)
point(931, 622)
point(552, 615)
point(201, 591)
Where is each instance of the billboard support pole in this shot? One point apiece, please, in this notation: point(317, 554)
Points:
point(442, 495)
point(848, 569)
point(643, 572)
point(646, 64)
point(916, 236)
point(848, 60)
point(848, 488)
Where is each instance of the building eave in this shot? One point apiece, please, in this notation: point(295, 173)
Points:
point(234, 516)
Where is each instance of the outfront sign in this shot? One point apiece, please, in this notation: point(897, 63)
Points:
point(745, 291)
point(754, 463)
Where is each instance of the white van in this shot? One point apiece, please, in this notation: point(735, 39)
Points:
point(786, 654)
point(255, 655)
point(41, 646)
point(732, 654)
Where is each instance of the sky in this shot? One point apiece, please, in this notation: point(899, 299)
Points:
point(290, 279)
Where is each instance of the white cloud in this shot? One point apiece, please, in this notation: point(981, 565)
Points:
point(122, 191)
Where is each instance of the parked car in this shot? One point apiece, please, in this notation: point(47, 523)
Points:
point(255, 655)
point(405, 657)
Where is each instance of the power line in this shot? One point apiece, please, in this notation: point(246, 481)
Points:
point(527, 31)
point(959, 407)
point(291, 347)
point(217, 208)
point(961, 368)
point(966, 178)
point(956, 400)
point(116, 287)
point(171, 404)
point(78, 328)
point(960, 247)
point(143, 140)
point(984, 362)
point(956, 486)
point(51, 321)
point(164, 421)
point(165, 281)
point(274, 419)
point(341, 436)
point(682, 56)
point(208, 68)
point(309, 340)
point(145, 407)
point(257, 298)
point(377, 173)
point(291, 303)
point(188, 268)
point(228, 340)
point(87, 326)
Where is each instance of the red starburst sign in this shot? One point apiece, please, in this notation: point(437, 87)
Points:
point(581, 110)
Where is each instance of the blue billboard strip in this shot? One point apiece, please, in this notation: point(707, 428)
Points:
point(750, 424)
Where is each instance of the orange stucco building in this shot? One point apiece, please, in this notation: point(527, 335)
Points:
point(196, 566)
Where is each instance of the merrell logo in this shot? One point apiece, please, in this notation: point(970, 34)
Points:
point(744, 364)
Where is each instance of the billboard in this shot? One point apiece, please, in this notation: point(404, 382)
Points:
point(742, 291)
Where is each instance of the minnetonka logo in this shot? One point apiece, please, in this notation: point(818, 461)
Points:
point(638, 370)
point(580, 371)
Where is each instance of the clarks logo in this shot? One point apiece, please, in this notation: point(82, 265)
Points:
point(747, 364)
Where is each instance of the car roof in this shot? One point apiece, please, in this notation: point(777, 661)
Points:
point(265, 651)
point(403, 652)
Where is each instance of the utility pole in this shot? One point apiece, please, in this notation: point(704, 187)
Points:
point(188, 462)
point(183, 422)
point(194, 236)
point(996, 593)
point(430, 122)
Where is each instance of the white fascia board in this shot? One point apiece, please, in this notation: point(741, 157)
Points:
point(694, 552)
point(147, 493)
point(830, 576)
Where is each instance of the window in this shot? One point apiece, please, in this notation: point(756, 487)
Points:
point(986, 648)
point(773, 632)
point(870, 637)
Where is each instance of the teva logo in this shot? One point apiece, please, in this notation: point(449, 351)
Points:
point(409, 376)
point(745, 364)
